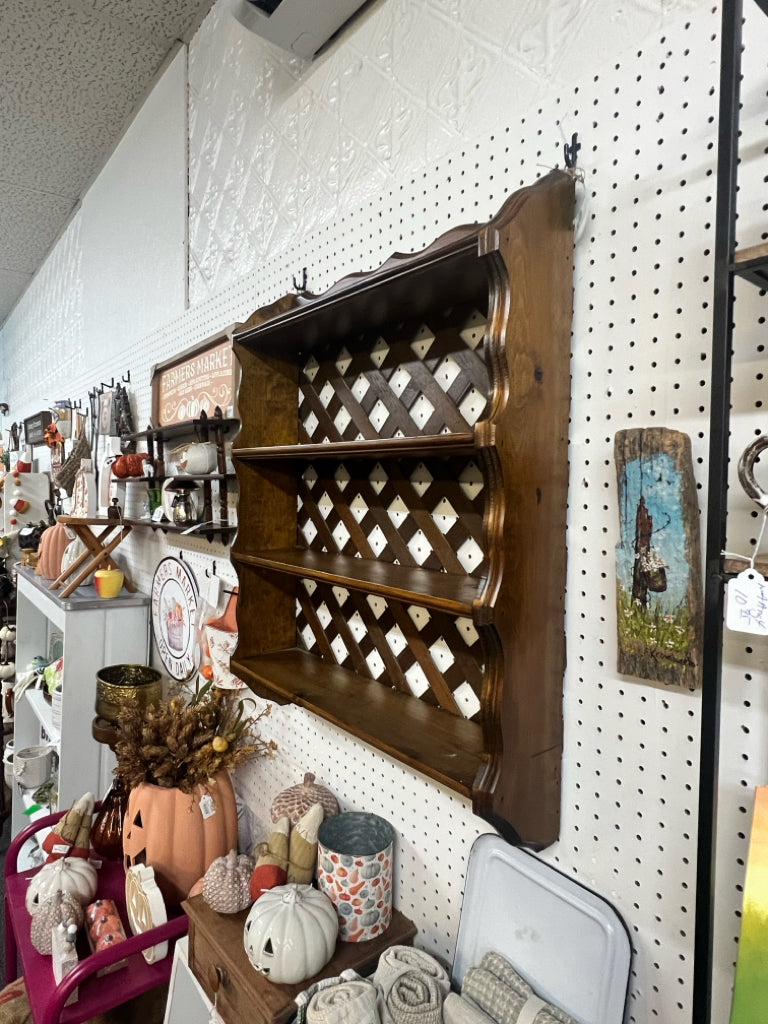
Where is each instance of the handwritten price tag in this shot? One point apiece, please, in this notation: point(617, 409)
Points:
point(746, 603)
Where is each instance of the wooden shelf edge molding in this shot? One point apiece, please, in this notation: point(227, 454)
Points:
point(439, 590)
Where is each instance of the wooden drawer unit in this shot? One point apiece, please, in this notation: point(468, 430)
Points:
point(217, 957)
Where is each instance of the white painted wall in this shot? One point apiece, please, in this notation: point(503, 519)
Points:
point(422, 115)
point(118, 271)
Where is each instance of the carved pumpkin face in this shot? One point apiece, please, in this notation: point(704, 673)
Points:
point(165, 829)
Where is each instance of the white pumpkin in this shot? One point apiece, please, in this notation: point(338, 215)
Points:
point(68, 874)
point(290, 933)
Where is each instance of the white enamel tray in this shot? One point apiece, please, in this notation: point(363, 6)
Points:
point(569, 944)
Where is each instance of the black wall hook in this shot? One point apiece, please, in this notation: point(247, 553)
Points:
point(570, 152)
point(300, 288)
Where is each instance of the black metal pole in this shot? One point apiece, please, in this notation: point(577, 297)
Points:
point(717, 504)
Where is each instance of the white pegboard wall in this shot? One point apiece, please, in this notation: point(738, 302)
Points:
point(641, 341)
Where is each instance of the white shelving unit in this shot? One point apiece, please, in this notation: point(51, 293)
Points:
point(96, 633)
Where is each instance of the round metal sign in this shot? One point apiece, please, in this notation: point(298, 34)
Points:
point(174, 613)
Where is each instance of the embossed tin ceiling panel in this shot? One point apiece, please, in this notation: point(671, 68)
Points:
point(71, 75)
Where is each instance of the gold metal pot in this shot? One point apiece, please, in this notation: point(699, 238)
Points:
point(119, 685)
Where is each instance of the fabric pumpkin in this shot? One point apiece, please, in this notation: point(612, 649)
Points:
point(297, 800)
point(290, 933)
point(226, 883)
point(59, 908)
point(166, 830)
point(69, 874)
point(51, 550)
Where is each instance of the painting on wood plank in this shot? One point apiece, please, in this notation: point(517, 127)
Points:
point(658, 558)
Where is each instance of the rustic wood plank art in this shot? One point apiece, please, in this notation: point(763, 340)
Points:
point(658, 558)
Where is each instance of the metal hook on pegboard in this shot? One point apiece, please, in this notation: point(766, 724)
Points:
point(571, 151)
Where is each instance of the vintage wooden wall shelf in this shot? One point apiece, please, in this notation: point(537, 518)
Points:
point(403, 475)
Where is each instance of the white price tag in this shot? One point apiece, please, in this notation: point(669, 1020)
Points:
point(746, 603)
point(207, 806)
point(214, 591)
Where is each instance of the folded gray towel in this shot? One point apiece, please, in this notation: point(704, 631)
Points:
point(458, 1010)
point(497, 989)
point(351, 1002)
point(397, 959)
point(413, 998)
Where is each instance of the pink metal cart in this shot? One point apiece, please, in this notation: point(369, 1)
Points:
point(46, 998)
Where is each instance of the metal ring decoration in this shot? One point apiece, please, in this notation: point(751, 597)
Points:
point(747, 471)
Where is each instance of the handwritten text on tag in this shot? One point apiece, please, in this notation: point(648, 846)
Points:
point(746, 603)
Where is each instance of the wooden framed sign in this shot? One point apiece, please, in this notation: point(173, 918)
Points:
point(196, 381)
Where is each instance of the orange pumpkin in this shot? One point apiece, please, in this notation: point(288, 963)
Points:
point(166, 830)
point(49, 554)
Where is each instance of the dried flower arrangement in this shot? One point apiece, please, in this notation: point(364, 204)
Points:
point(180, 743)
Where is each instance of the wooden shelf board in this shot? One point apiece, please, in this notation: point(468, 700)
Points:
point(184, 429)
point(752, 264)
point(441, 591)
point(381, 448)
point(446, 747)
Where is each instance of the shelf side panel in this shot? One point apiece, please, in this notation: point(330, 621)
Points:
point(530, 245)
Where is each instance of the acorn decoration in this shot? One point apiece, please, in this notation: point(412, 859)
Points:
point(297, 800)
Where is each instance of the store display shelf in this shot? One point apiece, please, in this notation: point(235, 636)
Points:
point(441, 591)
point(177, 430)
point(44, 714)
point(207, 530)
point(447, 748)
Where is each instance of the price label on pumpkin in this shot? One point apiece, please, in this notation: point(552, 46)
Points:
point(207, 806)
point(746, 603)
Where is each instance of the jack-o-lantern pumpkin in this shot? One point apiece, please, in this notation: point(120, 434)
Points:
point(180, 834)
point(290, 933)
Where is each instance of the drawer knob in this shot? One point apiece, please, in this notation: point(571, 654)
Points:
point(217, 977)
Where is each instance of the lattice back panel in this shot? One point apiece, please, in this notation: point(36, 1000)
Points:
point(404, 380)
